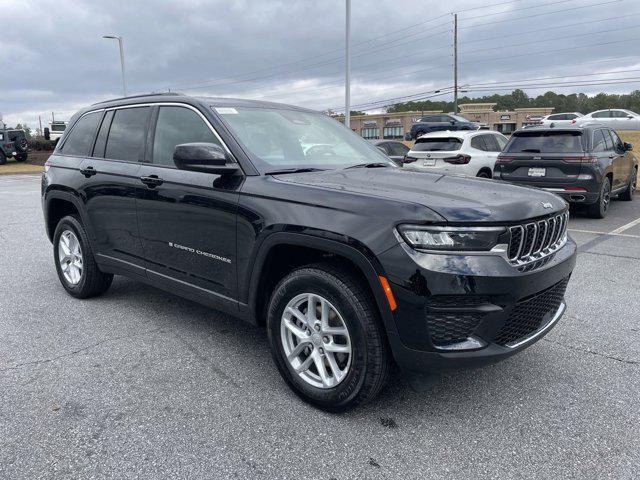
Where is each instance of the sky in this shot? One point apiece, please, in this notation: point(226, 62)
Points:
point(55, 60)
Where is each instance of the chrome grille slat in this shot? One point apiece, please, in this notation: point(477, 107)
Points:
point(536, 240)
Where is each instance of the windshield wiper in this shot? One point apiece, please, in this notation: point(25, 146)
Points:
point(369, 165)
point(294, 170)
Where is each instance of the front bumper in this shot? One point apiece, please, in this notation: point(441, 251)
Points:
point(457, 311)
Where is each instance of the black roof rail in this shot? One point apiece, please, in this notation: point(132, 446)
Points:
point(159, 94)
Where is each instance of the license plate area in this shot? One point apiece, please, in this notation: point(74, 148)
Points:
point(537, 172)
point(429, 162)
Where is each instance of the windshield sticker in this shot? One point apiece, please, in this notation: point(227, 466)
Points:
point(226, 110)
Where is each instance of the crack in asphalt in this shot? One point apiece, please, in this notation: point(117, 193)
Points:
point(592, 352)
point(611, 255)
point(75, 352)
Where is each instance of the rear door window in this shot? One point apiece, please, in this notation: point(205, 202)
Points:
point(599, 142)
point(605, 114)
point(127, 134)
point(80, 139)
point(491, 142)
point(502, 142)
point(479, 143)
point(437, 145)
point(546, 142)
point(101, 141)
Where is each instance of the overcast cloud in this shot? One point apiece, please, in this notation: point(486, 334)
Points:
point(54, 59)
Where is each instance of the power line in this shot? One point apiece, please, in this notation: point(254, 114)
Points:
point(527, 17)
point(555, 27)
point(517, 9)
point(554, 38)
point(552, 51)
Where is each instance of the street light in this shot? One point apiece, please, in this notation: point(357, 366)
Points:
point(116, 37)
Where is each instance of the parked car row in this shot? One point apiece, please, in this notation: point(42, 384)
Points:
point(584, 163)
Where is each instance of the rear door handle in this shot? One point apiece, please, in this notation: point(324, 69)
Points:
point(88, 171)
point(152, 181)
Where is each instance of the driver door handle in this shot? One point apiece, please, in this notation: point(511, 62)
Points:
point(152, 181)
point(88, 171)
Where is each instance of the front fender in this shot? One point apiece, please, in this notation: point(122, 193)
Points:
point(352, 249)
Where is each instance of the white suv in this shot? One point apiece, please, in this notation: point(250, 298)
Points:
point(560, 118)
point(471, 153)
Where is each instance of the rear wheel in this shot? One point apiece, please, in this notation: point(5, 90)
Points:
point(483, 174)
point(326, 338)
point(600, 208)
point(21, 157)
point(628, 194)
point(76, 267)
point(3, 158)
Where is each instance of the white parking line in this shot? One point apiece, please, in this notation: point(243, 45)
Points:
point(626, 227)
point(593, 232)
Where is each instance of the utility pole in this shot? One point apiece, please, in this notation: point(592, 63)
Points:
point(347, 82)
point(40, 123)
point(455, 63)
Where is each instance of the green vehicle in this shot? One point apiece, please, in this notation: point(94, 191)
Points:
point(13, 143)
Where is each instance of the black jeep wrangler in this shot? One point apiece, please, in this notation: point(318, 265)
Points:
point(13, 143)
point(350, 262)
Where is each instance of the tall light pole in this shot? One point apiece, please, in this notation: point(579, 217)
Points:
point(455, 63)
point(124, 82)
point(347, 83)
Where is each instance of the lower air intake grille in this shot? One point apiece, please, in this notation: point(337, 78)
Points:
point(447, 328)
point(529, 314)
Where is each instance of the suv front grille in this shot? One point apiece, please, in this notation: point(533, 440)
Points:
point(529, 314)
point(535, 240)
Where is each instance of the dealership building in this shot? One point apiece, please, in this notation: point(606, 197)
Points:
point(396, 125)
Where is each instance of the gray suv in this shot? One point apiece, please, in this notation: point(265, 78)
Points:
point(13, 143)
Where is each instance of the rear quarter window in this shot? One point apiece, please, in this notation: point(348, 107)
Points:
point(545, 142)
point(81, 137)
point(437, 145)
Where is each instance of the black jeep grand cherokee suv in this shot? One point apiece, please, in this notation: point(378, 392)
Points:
point(349, 261)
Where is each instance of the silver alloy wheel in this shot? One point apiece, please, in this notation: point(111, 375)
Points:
point(70, 257)
point(316, 340)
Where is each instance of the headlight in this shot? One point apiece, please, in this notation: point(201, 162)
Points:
point(473, 239)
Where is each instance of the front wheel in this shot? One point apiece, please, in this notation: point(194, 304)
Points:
point(601, 207)
point(326, 338)
point(21, 157)
point(76, 267)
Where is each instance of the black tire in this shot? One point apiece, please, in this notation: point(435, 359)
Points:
point(600, 208)
point(21, 157)
point(3, 158)
point(628, 194)
point(92, 281)
point(370, 357)
point(483, 174)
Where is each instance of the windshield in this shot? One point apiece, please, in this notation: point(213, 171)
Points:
point(58, 127)
point(545, 142)
point(437, 145)
point(280, 138)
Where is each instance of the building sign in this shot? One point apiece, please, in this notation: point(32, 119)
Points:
point(505, 117)
point(393, 122)
point(534, 118)
point(369, 123)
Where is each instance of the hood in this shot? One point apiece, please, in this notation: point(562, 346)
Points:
point(455, 198)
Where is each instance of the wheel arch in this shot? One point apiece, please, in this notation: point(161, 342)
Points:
point(267, 269)
point(58, 204)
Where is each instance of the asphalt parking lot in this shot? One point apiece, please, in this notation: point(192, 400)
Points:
point(142, 384)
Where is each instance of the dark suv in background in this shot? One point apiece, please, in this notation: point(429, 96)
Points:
point(583, 164)
point(13, 143)
point(350, 262)
point(438, 123)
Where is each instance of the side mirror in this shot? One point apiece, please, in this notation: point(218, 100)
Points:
point(630, 117)
point(203, 157)
point(628, 146)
